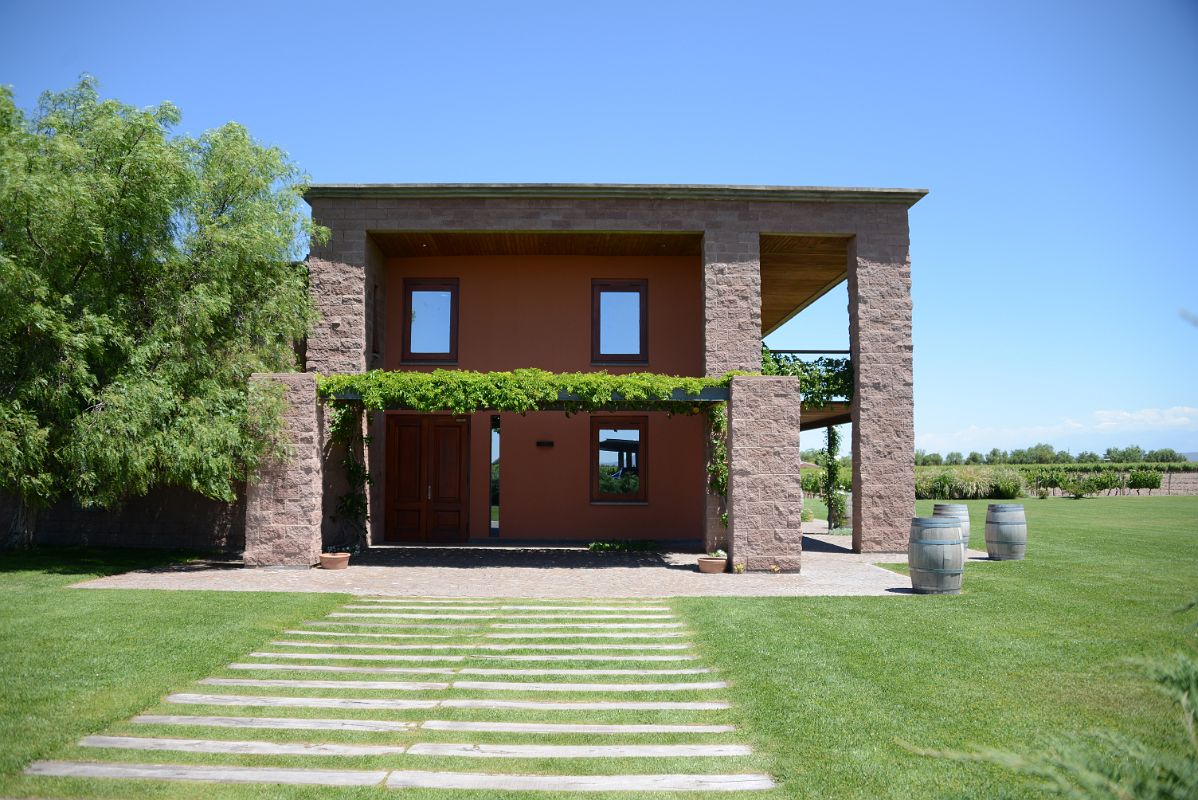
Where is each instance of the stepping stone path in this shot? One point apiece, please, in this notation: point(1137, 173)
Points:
point(415, 692)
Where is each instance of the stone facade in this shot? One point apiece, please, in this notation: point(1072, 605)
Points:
point(765, 495)
point(283, 508)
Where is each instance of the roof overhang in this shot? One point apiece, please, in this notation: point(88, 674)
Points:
point(635, 191)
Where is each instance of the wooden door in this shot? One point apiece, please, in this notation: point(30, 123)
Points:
point(427, 478)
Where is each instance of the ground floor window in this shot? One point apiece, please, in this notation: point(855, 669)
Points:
point(617, 451)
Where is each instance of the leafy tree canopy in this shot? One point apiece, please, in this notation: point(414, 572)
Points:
point(143, 277)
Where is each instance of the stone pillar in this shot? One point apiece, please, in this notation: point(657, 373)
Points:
point(731, 301)
point(765, 494)
point(283, 508)
point(337, 278)
point(731, 329)
point(883, 400)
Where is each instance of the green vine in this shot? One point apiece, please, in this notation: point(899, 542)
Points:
point(524, 390)
point(717, 467)
point(345, 429)
point(831, 487)
point(519, 391)
point(821, 380)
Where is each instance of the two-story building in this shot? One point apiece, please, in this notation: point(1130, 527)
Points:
point(679, 280)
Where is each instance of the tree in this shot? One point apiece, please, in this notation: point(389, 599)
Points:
point(1164, 456)
point(1062, 457)
point(974, 457)
point(1124, 455)
point(1041, 453)
point(143, 277)
point(1088, 457)
point(954, 459)
point(996, 456)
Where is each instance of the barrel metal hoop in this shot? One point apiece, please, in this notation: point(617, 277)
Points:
point(937, 541)
point(939, 571)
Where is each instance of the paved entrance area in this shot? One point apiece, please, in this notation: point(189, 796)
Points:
point(829, 568)
point(532, 696)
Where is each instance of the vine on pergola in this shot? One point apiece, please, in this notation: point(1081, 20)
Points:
point(522, 391)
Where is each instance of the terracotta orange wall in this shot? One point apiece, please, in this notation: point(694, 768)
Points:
point(536, 312)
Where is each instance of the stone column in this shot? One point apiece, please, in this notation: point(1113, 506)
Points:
point(765, 494)
point(731, 328)
point(883, 400)
point(283, 508)
point(731, 301)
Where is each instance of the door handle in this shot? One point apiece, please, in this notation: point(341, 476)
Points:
point(430, 491)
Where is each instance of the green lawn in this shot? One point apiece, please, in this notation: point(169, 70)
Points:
point(1030, 650)
point(826, 689)
point(75, 661)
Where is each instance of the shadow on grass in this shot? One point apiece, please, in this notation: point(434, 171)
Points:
point(98, 561)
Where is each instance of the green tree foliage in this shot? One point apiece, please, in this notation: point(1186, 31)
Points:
point(1124, 455)
point(1088, 457)
point(974, 457)
point(1165, 455)
point(954, 459)
point(143, 277)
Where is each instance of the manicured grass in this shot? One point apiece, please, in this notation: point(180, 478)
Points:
point(74, 661)
point(825, 689)
point(831, 687)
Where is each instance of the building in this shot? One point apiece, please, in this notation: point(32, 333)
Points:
point(681, 280)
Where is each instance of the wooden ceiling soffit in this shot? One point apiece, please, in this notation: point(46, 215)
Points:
point(796, 271)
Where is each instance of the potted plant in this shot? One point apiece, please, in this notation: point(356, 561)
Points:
point(335, 557)
point(714, 562)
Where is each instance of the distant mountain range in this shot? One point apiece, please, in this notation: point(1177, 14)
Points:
point(1191, 456)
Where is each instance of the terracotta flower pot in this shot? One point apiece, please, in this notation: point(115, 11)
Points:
point(334, 560)
point(711, 566)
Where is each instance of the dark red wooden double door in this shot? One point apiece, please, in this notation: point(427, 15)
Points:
point(427, 478)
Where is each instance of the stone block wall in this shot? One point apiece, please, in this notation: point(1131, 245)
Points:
point(883, 399)
point(765, 495)
point(731, 301)
point(283, 508)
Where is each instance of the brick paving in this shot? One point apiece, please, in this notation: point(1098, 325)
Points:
point(829, 568)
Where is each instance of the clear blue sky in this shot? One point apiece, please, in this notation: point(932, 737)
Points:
point(1050, 261)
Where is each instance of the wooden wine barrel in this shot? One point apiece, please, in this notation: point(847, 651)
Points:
point(958, 510)
point(934, 555)
point(1006, 532)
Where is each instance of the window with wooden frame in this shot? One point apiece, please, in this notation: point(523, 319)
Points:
point(618, 464)
point(619, 321)
point(430, 319)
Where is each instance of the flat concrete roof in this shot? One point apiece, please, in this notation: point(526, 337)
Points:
point(637, 191)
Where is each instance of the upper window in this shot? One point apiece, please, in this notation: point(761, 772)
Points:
point(430, 319)
point(619, 321)
point(618, 459)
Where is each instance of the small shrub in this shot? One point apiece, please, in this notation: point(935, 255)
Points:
point(1006, 484)
point(1078, 486)
point(807, 515)
point(836, 509)
point(810, 480)
point(1144, 479)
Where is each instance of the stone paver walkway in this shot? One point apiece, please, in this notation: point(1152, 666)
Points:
point(829, 568)
point(549, 727)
